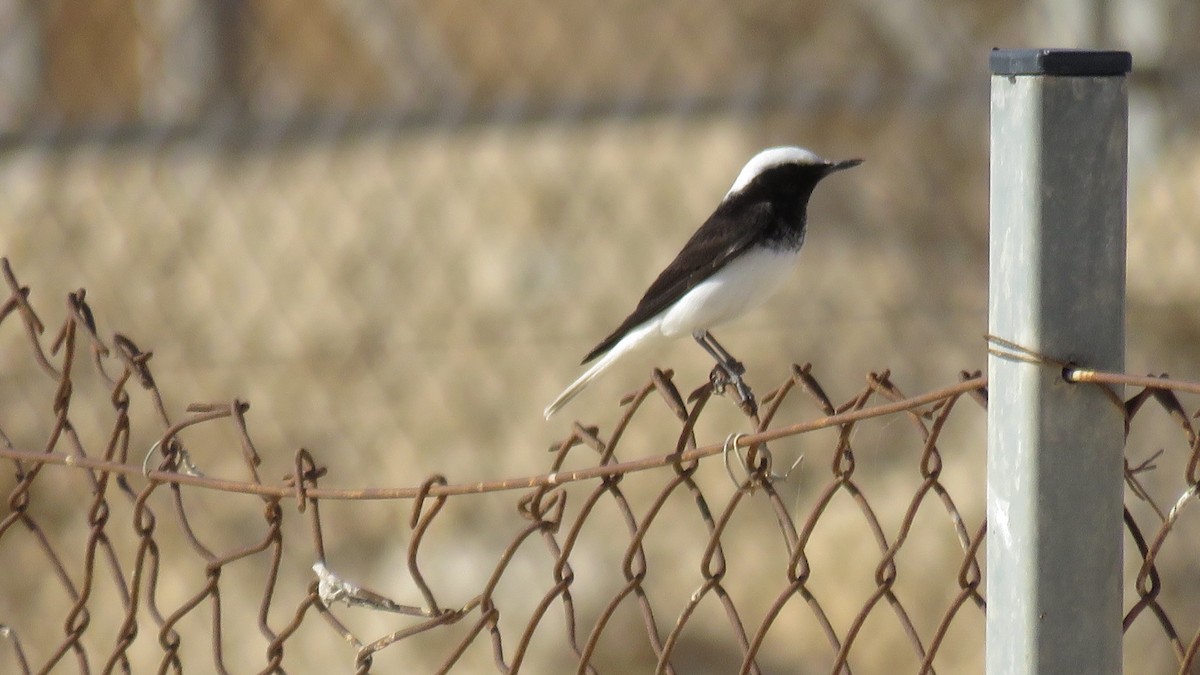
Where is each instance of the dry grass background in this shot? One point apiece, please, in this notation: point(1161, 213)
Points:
point(403, 291)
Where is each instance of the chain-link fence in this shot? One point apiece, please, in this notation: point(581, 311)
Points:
point(396, 226)
point(865, 554)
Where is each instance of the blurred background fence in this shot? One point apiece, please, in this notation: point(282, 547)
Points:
point(396, 226)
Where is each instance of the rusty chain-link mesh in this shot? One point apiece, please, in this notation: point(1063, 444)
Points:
point(688, 558)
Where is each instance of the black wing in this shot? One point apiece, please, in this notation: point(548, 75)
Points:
point(725, 234)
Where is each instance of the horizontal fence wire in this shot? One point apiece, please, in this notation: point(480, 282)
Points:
point(138, 558)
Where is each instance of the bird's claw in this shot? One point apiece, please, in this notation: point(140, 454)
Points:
point(723, 376)
point(746, 399)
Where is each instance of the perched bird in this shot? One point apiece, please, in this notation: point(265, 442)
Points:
point(740, 255)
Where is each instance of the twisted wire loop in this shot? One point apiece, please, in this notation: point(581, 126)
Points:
point(637, 550)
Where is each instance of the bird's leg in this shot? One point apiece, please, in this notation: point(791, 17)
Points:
point(732, 368)
point(735, 369)
point(723, 356)
point(701, 337)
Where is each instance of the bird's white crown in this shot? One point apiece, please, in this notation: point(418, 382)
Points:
point(772, 157)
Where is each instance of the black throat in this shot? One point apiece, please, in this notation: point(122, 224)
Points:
point(780, 196)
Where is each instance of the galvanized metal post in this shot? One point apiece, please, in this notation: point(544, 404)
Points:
point(1057, 289)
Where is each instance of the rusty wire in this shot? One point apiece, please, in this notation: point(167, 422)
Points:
point(130, 597)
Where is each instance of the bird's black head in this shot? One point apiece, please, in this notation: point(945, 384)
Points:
point(785, 177)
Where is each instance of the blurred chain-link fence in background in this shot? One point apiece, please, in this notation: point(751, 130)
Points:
point(396, 226)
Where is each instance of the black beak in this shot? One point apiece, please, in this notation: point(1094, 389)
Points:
point(833, 167)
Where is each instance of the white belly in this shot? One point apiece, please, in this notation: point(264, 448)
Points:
point(737, 287)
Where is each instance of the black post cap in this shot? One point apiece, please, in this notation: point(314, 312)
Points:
point(1063, 62)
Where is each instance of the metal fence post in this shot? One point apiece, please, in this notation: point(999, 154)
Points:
point(1057, 289)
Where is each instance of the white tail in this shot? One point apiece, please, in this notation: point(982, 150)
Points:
point(631, 340)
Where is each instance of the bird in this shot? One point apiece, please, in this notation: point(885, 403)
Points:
point(740, 255)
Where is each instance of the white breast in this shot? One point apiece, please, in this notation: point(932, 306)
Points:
point(737, 287)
